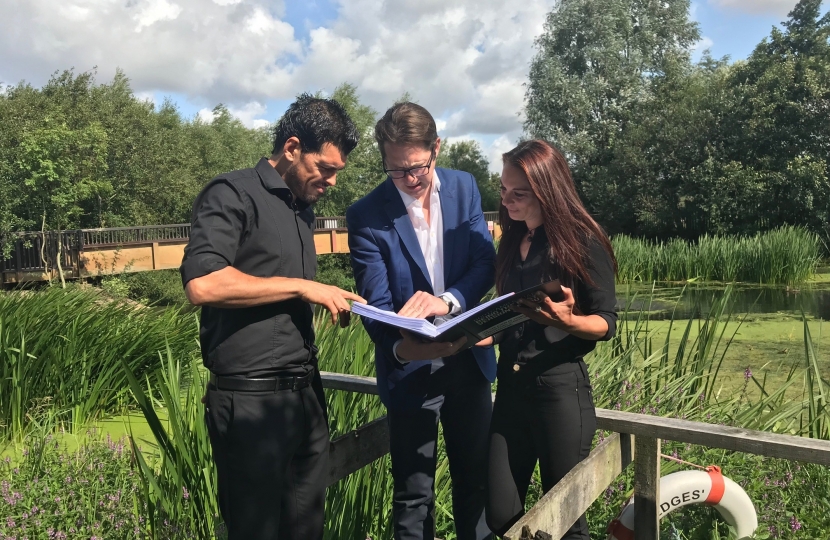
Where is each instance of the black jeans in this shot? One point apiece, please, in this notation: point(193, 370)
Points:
point(271, 453)
point(548, 417)
point(459, 396)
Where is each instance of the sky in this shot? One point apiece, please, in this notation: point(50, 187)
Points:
point(464, 60)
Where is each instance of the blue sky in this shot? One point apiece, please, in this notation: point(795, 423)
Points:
point(465, 60)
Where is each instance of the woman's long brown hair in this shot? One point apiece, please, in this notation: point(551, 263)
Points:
point(568, 226)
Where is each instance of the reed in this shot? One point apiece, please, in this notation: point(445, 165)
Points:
point(786, 256)
point(676, 375)
point(177, 473)
point(360, 505)
point(66, 347)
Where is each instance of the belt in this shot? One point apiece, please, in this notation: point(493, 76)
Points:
point(293, 382)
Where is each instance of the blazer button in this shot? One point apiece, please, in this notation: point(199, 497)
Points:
point(516, 367)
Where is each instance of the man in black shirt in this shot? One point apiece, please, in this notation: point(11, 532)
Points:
point(250, 264)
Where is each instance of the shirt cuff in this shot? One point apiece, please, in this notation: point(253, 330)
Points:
point(400, 362)
point(456, 305)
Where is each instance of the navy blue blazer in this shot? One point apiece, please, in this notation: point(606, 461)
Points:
point(389, 268)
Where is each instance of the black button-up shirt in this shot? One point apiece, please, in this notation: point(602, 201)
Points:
point(250, 220)
point(536, 348)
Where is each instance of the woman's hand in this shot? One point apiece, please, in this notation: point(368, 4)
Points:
point(412, 348)
point(561, 315)
point(549, 313)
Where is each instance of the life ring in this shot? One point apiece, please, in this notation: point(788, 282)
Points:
point(692, 487)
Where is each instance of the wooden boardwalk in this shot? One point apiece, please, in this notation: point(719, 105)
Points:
point(88, 253)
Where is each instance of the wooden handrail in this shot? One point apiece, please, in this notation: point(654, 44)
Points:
point(556, 511)
point(751, 441)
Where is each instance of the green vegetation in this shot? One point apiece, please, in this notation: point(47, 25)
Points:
point(786, 256)
point(160, 287)
point(663, 147)
point(467, 156)
point(166, 479)
point(79, 154)
point(335, 269)
point(61, 354)
point(52, 492)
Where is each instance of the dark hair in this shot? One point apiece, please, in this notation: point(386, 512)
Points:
point(568, 226)
point(406, 123)
point(316, 121)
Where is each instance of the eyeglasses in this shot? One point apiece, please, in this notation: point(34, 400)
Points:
point(416, 172)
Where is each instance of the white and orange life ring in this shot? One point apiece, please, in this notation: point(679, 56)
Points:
point(692, 487)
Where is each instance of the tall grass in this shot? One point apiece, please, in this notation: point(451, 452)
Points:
point(179, 479)
point(678, 375)
point(65, 347)
point(787, 255)
point(359, 506)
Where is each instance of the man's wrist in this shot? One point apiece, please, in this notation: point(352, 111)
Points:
point(453, 306)
point(447, 302)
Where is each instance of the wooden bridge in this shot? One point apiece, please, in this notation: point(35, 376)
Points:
point(87, 253)
point(636, 438)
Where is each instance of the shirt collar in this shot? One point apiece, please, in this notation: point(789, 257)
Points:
point(410, 201)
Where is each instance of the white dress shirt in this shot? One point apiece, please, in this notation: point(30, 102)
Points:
point(431, 240)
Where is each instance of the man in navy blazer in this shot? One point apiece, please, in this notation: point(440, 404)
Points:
point(420, 247)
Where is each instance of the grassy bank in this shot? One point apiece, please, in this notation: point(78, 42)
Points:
point(61, 354)
point(785, 256)
point(166, 488)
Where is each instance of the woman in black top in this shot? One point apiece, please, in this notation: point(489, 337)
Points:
point(544, 409)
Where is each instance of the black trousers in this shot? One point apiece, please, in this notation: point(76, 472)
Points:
point(271, 454)
point(459, 396)
point(548, 417)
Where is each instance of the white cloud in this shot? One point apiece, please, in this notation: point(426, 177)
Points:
point(214, 53)
point(146, 96)
point(702, 45)
point(153, 11)
point(247, 114)
point(758, 7)
point(497, 148)
point(466, 61)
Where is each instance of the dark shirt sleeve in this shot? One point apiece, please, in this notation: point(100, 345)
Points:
point(219, 222)
point(599, 297)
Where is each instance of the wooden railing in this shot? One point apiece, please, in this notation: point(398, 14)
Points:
point(125, 236)
point(636, 438)
point(33, 256)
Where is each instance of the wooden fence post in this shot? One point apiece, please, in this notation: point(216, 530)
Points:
point(646, 488)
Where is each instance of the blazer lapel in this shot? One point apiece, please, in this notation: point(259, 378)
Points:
point(449, 215)
point(396, 211)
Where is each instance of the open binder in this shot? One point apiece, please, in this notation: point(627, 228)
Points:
point(478, 323)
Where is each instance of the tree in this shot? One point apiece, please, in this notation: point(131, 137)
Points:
point(467, 156)
point(779, 127)
point(598, 62)
point(364, 167)
point(62, 169)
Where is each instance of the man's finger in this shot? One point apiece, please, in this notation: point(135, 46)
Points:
point(407, 307)
point(353, 296)
point(341, 303)
point(332, 307)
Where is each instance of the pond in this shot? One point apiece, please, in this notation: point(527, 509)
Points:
point(696, 301)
